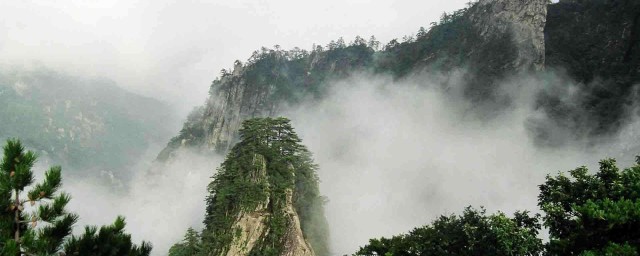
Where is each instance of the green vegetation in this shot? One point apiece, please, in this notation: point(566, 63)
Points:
point(268, 172)
point(191, 245)
point(596, 42)
point(272, 77)
point(593, 213)
point(108, 240)
point(586, 215)
point(33, 218)
point(472, 233)
point(240, 187)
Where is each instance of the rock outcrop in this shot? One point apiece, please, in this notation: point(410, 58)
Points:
point(523, 21)
point(265, 198)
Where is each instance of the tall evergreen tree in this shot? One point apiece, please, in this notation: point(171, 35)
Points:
point(190, 245)
point(18, 233)
point(109, 240)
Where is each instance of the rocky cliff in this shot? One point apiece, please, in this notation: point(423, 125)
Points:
point(490, 39)
point(522, 21)
point(265, 198)
point(596, 44)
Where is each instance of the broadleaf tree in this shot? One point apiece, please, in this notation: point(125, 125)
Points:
point(593, 214)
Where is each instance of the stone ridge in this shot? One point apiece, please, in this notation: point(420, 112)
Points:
point(524, 18)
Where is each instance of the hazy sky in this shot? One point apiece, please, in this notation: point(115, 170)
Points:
point(174, 49)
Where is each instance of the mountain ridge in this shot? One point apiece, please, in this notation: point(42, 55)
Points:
point(479, 38)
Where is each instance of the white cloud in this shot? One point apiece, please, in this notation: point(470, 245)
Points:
point(174, 49)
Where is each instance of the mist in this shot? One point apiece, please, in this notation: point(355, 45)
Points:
point(395, 155)
point(159, 203)
point(172, 50)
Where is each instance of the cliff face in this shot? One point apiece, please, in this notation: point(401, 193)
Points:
point(252, 225)
point(506, 38)
point(523, 21)
point(597, 44)
point(491, 39)
point(265, 197)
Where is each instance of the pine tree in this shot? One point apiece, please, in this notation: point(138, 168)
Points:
point(18, 233)
point(37, 223)
point(109, 240)
point(189, 246)
point(237, 187)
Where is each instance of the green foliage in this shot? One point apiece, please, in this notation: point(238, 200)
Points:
point(472, 233)
point(587, 212)
point(39, 224)
point(266, 166)
point(19, 234)
point(190, 245)
point(109, 240)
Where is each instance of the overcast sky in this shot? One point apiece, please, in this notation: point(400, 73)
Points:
point(173, 49)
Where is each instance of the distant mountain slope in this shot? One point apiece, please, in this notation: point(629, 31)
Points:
point(85, 124)
point(490, 39)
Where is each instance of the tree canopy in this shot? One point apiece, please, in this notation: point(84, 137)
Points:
point(472, 233)
point(586, 214)
point(268, 166)
point(596, 213)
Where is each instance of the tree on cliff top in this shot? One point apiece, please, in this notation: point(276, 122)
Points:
point(236, 187)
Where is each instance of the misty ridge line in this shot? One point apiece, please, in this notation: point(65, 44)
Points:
point(579, 145)
point(363, 116)
point(403, 98)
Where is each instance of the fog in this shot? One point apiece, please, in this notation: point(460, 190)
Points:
point(159, 203)
point(172, 50)
point(395, 155)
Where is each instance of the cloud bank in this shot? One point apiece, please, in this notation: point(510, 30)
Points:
point(394, 155)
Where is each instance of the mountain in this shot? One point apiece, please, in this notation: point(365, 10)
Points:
point(597, 44)
point(594, 43)
point(264, 199)
point(590, 42)
point(490, 39)
point(84, 124)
